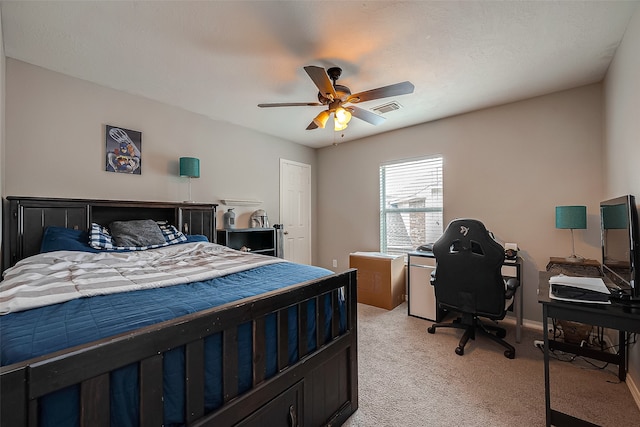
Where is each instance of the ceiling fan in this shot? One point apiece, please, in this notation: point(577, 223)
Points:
point(335, 96)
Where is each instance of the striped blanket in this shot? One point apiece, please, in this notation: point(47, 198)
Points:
point(60, 276)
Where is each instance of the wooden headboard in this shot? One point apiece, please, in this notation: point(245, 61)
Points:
point(25, 219)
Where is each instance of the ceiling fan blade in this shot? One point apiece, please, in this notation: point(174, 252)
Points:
point(367, 116)
point(382, 92)
point(291, 104)
point(321, 80)
point(312, 126)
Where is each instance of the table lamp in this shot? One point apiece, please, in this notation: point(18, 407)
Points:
point(572, 217)
point(190, 167)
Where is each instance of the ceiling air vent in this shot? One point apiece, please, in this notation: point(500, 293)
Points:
point(386, 108)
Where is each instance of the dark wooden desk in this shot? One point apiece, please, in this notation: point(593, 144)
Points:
point(618, 316)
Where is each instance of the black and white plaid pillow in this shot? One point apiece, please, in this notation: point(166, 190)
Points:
point(171, 234)
point(99, 237)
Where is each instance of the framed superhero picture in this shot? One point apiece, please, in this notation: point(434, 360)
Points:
point(124, 150)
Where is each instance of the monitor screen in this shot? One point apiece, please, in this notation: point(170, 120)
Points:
point(619, 233)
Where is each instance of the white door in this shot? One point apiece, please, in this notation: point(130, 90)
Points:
point(295, 210)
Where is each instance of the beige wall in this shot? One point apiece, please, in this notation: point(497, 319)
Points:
point(55, 144)
point(622, 139)
point(2, 156)
point(508, 166)
point(622, 113)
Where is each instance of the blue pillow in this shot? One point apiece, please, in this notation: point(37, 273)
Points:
point(192, 238)
point(65, 239)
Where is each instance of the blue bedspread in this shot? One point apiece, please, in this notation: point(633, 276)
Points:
point(40, 331)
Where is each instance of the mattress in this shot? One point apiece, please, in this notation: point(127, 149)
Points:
point(43, 330)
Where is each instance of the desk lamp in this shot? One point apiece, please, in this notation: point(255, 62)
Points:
point(572, 217)
point(190, 167)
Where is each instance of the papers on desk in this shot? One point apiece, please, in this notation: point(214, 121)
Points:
point(591, 290)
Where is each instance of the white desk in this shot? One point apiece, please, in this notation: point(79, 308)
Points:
point(421, 296)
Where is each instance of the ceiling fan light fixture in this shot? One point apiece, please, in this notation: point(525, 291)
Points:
point(342, 115)
point(337, 126)
point(321, 119)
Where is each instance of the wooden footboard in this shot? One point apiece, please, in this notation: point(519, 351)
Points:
point(321, 388)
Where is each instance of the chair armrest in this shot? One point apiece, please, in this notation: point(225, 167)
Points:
point(511, 286)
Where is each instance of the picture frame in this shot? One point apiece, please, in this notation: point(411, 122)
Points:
point(123, 150)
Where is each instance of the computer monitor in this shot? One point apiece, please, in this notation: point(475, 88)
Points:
point(620, 244)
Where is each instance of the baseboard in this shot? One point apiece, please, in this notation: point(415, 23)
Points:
point(633, 388)
point(530, 324)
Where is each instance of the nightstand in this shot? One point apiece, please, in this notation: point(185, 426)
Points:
point(257, 240)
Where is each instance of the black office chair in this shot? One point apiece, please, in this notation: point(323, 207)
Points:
point(468, 280)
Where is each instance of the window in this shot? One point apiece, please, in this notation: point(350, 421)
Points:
point(410, 204)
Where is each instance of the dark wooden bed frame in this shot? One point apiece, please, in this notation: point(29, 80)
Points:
point(321, 388)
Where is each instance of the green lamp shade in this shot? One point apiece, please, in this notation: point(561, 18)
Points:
point(190, 166)
point(574, 217)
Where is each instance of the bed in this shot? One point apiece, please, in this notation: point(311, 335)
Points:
point(280, 348)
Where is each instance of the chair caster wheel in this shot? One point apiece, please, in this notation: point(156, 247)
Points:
point(459, 351)
point(509, 354)
point(431, 330)
point(501, 334)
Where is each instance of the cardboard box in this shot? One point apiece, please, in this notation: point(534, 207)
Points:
point(381, 280)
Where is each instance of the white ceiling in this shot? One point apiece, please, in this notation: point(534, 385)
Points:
point(222, 58)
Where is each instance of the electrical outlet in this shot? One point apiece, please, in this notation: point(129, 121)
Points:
point(335, 263)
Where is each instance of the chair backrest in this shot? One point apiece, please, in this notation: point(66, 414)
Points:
point(468, 275)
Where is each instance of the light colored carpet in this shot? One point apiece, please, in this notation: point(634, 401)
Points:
point(408, 377)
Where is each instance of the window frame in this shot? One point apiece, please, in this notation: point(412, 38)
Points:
point(438, 168)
